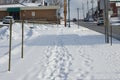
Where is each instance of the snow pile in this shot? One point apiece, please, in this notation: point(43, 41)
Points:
point(4, 33)
point(17, 31)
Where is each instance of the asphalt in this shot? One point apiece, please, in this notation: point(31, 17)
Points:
point(101, 28)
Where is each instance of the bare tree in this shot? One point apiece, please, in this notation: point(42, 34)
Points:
point(55, 2)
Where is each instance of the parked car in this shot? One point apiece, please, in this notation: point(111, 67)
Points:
point(91, 20)
point(7, 19)
point(86, 19)
point(100, 21)
point(74, 19)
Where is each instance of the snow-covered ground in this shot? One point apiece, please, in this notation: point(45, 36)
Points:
point(55, 52)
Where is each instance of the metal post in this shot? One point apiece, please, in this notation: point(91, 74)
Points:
point(22, 39)
point(87, 6)
point(69, 12)
point(105, 21)
point(88, 9)
point(10, 41)
point(92, 1)
point(83, 11)
point(111, 35)
point(78, 16)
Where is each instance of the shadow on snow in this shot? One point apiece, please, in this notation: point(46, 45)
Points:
point(71, 39)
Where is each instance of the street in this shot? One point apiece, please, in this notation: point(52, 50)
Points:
point(93, 26)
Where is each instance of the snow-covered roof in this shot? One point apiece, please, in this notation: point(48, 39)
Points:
point(20, 5)
point(27, 6)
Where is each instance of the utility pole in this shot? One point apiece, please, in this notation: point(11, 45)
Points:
point(65, 11)
point(106, 20)
point(69, 12)
point(78, 16)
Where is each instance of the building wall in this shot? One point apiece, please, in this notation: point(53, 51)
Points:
point(49, 15)
point(3, 14)
point(37, 15)
point(114, 9)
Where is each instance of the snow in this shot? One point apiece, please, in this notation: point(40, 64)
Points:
point(21, 5)
point(55, 52)
point(115, 21)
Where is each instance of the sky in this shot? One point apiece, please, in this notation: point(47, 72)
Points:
point(74, 4)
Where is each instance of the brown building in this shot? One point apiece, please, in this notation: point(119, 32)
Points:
point(36, 13)
point(113, 8)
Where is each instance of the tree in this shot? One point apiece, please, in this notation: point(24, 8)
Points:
point(55, 2)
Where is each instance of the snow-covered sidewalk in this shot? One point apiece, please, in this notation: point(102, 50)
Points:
point(54, 52)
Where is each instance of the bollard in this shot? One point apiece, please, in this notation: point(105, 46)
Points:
point(10, 41)
point(22, 55)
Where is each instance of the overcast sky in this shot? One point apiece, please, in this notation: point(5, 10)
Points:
point(74, 4)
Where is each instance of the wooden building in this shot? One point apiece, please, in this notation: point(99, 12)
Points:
point(36, 13)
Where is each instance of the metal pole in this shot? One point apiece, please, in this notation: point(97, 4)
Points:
point(83, 11)
point(105, 21)
point(87, 6)
point(69, 12)
point(111, 34)
point(10, 41)
point(88, 9)
point(92, 1)
point(78, 16)
point(22, 55)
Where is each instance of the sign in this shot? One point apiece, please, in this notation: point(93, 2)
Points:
point(33, 14)
point(13, 9)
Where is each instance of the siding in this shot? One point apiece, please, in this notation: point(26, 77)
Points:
point(41, 13)
point(49, 15)
point(2, 14)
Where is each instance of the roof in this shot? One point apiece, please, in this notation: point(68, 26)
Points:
point(115, 0)
point(27, 6)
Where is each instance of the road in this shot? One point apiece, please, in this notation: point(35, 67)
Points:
point(101, 29)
